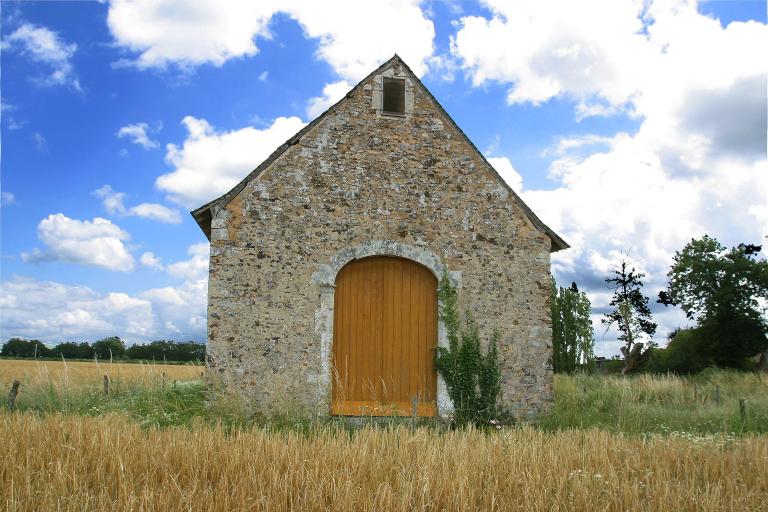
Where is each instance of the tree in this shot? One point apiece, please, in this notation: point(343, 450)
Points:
point(72, 350)
point(18, 347)
point(162, 350)
point(683, 353)
point(631, 315)
point(722, 290)
point(109, 347)
point(572, 333)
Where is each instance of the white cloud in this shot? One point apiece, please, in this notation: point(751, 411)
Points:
point(351, 38)
point(196, 267)
point(504, 167)
point(138, 133)
point(166, 32)
point(181, 310)
point(263, 76)
point(210, 163)
point(148, 259)
point(98, 243)
point(156, 212)
point(55, 312)
point(44, 46)
point(551, 48)
point(697, 164)
point(7, 198)
point(332, 93)
point(354, 38)
point(113, 202)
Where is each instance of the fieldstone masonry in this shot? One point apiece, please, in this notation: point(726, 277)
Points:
point(358, 182)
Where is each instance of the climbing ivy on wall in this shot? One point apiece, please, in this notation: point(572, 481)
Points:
point(473, 378)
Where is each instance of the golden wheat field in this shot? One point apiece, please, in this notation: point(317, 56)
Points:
point(58, 462)
point(64, 373)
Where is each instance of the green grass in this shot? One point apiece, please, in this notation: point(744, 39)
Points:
point(634, 405)
point(116, 360)
point(661, 404)
point(149, 405)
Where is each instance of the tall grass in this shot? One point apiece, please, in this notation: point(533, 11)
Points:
point(611, 443)
point(153, 395)
point(64, 462)
point(64, 374)
point(705, 403)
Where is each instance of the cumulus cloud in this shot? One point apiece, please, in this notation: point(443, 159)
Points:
point(504, 167)
point(98, 243)
point(633, 55)
point(354, 40)
point(209, 163)
point(53, 312)
point(180, 310)
point(188, 34)
point(44, 46)
point(80, 313)
point(138, 135)
point(148, 259)
point(546, 49)
point(332, 93)
point(156, 212)
point(622, 201)
point(196, 267)
point(696, 164)
point(114, 203)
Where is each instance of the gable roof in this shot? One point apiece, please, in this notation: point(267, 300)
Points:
point(203, 215)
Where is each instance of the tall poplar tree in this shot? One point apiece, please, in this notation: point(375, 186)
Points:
point(572, 334)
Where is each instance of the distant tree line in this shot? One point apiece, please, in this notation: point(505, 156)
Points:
point(107, 348)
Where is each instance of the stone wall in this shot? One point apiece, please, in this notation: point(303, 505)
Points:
point(356, 177)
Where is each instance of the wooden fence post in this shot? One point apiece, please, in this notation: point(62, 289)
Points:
point(13, 394)
point(742, 413)
point(695, 392)
point(163, 382)
point(717, 394)
point(106, 385)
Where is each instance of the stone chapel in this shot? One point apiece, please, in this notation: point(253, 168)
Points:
point(325, 262)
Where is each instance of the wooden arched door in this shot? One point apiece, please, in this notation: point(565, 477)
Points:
point(384, 338)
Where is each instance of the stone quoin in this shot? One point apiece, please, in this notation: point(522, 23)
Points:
point(386, 177)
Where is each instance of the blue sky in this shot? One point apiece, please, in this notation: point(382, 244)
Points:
point(628, 129)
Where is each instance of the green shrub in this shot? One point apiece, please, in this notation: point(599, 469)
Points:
point(473, 379)
point(686, 353)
